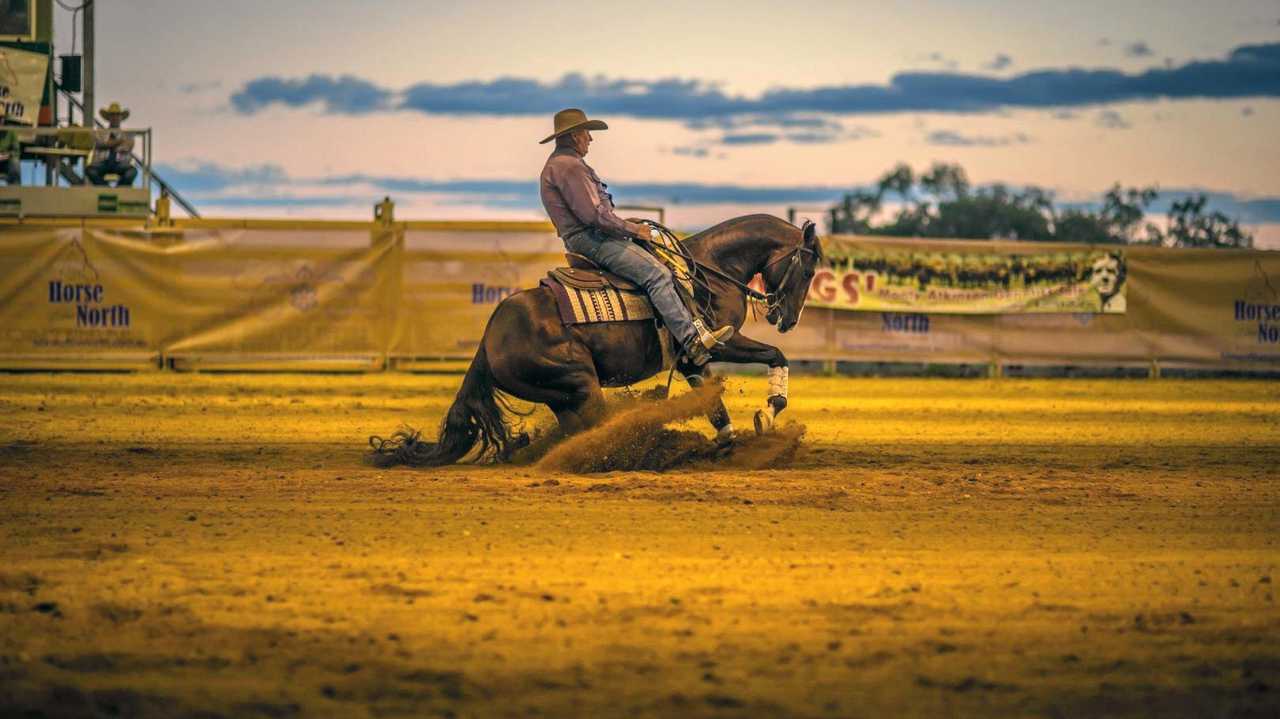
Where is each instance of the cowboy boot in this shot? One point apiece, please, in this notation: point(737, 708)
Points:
point(711, 339)
point(698, 346)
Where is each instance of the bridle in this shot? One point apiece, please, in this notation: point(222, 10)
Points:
point(772, 300)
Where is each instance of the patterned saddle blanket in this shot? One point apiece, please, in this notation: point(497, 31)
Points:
point(589, 295)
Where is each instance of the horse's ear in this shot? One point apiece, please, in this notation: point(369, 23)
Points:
point(810, 232)
point(811, 239)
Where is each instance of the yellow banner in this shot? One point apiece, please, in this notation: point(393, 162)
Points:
point(313, 294)
point(963, 279)
point(60, 296)
point(452, 280)
point(22, 78)
point(262, 294)
point(246, 295)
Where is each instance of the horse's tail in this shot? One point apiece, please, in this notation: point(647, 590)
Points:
point(475, 416)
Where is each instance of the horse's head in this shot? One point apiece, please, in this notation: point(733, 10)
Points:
point(787, 279)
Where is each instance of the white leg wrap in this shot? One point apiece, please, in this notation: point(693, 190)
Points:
point(778, 377)
point(777, 388)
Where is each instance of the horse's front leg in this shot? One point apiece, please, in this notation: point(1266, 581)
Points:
point(719, 415)
point(744, 350)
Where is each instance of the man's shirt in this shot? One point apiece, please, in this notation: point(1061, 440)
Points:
point(112, 143)
point(575, 198)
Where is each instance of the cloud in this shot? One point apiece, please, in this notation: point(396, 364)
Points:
point(746, 130)
point(206, 177)
point(1248, 210)
point(999, 62)
point(668, 99)
point(1138, 49)
point(750, 138)
point(783, 121)
point(806, 137)
point(860, 132)
point(951, 138)
point(799, 129)
point(1247, 71)
point(213, 183)
point(1112, 120)
point(813, 138)
point(218, 184)
point(345, 95)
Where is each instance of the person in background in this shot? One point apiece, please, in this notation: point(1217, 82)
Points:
point(112, 150)
point(10, 154)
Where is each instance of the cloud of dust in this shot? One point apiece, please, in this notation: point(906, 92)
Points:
point(634, 437)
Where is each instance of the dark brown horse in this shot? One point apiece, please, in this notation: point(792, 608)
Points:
point(528, 353)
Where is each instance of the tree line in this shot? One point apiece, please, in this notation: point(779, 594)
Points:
point(943, 203)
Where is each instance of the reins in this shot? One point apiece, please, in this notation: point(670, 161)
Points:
point(771, 300)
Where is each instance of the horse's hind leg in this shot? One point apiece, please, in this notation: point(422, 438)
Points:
point(582, 410)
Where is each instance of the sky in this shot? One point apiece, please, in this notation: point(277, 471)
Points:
point(320, 108)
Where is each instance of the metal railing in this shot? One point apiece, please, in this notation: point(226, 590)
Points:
point(61, 148)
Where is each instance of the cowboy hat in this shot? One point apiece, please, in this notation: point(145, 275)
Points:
point(114, 109)
point(572, 119)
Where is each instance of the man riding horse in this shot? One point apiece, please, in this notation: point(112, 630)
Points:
point(582, 210)
point(531, 351)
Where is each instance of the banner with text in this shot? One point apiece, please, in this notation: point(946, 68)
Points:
point(965, 280)
point(22, 78)
point(300, 295)
point(124, 297)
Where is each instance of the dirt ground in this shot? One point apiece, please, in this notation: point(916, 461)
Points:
point(212, 546)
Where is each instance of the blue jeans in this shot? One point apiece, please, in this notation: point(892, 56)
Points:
point(627, 260)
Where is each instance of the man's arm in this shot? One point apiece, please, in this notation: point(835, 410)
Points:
point(580, 193)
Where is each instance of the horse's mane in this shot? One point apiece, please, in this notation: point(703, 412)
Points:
point(732, 223)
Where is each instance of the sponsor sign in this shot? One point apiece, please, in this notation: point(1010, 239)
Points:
point(76, 294)
point(964, 281)
point(22, 78)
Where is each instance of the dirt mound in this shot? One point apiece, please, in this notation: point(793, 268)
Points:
point(635, 437)
point(774, 450)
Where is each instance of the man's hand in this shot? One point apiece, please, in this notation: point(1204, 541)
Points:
point(639, 230)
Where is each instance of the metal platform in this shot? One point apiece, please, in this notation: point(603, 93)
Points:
point(83, 201)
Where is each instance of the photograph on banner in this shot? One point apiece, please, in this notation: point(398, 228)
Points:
point(22, 79)
point(971, 282)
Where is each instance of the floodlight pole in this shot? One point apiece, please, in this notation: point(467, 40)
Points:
point(88, 64)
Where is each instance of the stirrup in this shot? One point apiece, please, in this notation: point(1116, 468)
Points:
point(696, 353)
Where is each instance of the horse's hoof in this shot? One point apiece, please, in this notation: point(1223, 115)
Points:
point(725, 436)
point(655, 393)
point(520, 441)
point(763, 421)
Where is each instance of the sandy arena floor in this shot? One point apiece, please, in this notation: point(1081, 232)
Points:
point(188, 545)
